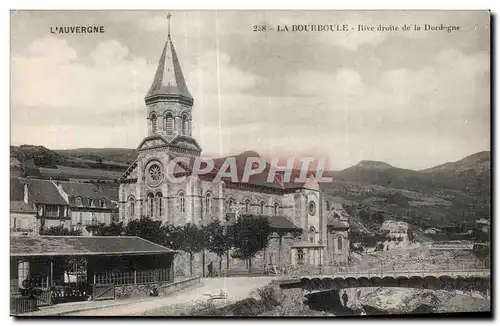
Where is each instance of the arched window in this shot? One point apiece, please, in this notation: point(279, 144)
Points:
point(150, 204)
point(169, 123)
point(131, 206)
point(300, 256)
point(262, 207)
point(182, 202)
point(185, 125)
point(247, 206)
point(276, 206)
point(153, 122)
point(312, 234)
point(230, 205)
point(159, 203)
point(208, 203)
point(339, 243)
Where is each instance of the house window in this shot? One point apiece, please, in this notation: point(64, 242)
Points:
point(208, 203)
point(102, 203)
point(23, 272)
point(131, 206)
point(91, 202)
point(339, 243)
point(300, 256)
point(230, 205)
point(247, 206)
point(78, 201)
point(80, 218)
point(153, 122)
point(159, 203)
point(182, 203)
point(169, 123)
point(276, 206)
point(262, 207)
point(151, 201)
point(51, 211)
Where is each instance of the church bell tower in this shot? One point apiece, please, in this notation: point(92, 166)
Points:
point(169, 103)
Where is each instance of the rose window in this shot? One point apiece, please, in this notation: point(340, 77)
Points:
point(155, 172)
point(312, 208)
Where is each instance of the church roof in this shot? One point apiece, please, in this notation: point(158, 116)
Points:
point(276, 222)
point(169, 79)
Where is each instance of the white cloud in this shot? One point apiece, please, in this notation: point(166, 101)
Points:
point(438, 103)
point(50, 75)
point(61, 97)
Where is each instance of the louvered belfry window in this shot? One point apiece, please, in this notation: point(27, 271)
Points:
point(169, 123)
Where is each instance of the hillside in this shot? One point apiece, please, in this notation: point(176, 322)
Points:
point(123, 156)
point(41, 162)
point(454, 193)
point(448, 194)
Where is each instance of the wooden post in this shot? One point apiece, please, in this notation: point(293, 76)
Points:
point(135, 276)
point(51, 273)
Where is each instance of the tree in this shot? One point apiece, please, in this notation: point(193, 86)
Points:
point(113, 229)
point(369, 240)
point(172, 236)
point(191, 241)
point(251, 235)
point(59, 230)
point(377, 217)
point(218, 242)
point(146, 228)
point(410, 233)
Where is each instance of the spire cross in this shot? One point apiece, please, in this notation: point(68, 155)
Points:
point(168, 17)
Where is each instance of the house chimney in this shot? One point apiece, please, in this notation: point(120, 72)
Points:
point(25, 199)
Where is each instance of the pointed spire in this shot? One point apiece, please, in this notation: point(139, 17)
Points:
point(169, 80)
point(168, 17)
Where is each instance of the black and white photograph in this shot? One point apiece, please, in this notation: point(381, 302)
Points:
point(250, 163)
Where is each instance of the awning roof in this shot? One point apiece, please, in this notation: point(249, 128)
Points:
point(83, 246)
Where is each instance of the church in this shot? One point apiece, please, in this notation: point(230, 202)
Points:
point(309, 229)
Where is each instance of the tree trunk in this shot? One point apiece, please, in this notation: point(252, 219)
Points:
point(191, 264)
point(220, 263)
point(227, 260)
point(203, 262)
point(250, 265)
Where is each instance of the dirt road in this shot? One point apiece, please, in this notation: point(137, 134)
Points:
point(237, 288)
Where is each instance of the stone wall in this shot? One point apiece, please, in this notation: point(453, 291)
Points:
point(144, 290)
point(135, 290)
point(170, 288)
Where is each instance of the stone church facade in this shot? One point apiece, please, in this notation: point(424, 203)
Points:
point(145, 189)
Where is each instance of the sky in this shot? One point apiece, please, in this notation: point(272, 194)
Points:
point(412, 99)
